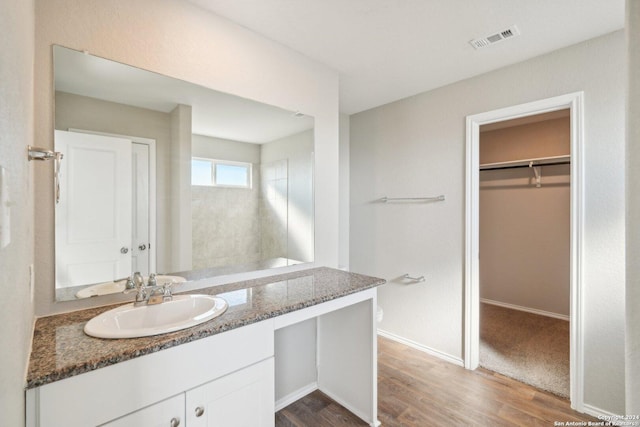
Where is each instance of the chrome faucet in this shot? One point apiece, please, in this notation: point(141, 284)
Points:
point(138, 280)
point(149, 293)
point(128, 282)
point(152, 280)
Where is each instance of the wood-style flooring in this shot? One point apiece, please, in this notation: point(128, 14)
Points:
point(416, 389)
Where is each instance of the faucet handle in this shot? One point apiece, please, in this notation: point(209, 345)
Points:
point(138, 280)
point(166, 291)
point(152, 280)
point(138, 286)
point(129, 286)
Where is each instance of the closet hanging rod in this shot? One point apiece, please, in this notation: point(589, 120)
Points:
point(527, 163)
point(386, 199)
point(492, 168)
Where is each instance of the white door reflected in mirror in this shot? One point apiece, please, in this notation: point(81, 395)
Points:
point(93, 216)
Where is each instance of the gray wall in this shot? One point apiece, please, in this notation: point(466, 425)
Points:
point(180, 160)
point(16, 132)
point(224, 149)
point(416, 147)
point(633, 209)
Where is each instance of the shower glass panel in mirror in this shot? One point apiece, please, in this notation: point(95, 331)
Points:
point(164, 176)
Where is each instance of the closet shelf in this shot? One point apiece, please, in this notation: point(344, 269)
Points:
point(525, 163)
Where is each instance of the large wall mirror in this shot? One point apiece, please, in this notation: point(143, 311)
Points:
point(163, 176)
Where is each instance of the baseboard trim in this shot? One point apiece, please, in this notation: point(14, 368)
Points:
point(444, 356)
point(600, 414)
point(526, 309)
point(295, 395)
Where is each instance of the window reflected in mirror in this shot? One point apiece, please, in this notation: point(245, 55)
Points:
point(220, 173)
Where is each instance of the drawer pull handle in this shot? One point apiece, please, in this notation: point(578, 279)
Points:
point(175, 422)
point(199, 411)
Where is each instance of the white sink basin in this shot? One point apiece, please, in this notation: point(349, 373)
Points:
point(115, 287)
point(127, 321)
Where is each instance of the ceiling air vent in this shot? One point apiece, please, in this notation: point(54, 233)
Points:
point(495, 38)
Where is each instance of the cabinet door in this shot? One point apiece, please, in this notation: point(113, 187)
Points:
point(168, 413)
point(244, 398)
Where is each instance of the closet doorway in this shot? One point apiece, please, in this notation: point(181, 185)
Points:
point(524, 224)
point(573, 103)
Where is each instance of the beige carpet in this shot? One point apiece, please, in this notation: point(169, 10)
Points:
point(527, 347)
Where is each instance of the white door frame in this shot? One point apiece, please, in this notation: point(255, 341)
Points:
point(573, 101)
point(152, 186)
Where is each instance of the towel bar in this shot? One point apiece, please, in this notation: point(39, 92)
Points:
point(415, 279)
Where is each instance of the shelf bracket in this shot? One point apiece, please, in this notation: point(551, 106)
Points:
point(537, 173)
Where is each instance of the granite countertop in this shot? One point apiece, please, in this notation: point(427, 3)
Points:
point(61, 349)
point(69, 294)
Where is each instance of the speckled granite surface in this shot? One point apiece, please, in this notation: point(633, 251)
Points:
point(61, 349)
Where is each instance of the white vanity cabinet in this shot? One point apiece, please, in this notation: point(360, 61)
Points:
point(146, 391)
point(240, 399)
point(243, 399)
point(236, 378)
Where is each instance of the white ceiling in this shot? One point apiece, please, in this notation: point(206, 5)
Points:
point(385, 50)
